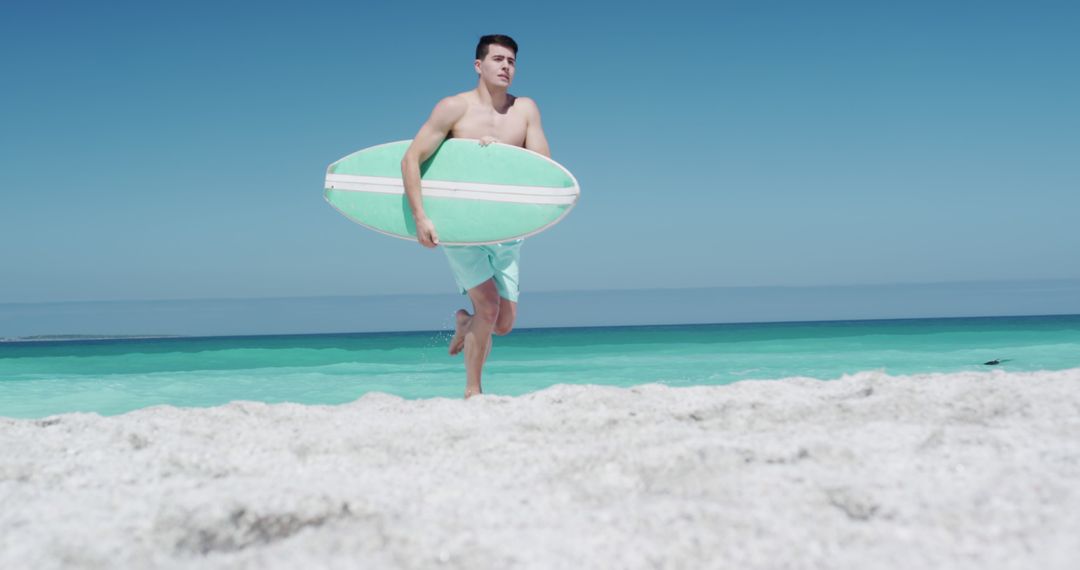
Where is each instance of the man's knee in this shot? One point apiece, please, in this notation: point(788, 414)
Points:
point(507, 315)
point(488, 314)
point(487, 309)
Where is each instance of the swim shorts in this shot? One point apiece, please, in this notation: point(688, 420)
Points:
point(474, 264)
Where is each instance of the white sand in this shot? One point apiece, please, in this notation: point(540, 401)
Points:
point(871, 471)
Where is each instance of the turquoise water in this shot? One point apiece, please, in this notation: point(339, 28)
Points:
point(115, 376)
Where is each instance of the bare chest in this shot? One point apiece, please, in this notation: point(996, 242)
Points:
point(480, 121)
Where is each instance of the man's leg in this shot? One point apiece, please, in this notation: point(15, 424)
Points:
point(507, 314)
point(503, 325)
point(473, 332)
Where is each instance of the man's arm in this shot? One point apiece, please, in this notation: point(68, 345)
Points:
point(534, 133)
point(431, 135)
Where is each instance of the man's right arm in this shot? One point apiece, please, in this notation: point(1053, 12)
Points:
point(431, 135)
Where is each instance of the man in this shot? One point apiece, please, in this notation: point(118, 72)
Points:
point(488, 274)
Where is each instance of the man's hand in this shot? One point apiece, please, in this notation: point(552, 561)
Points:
point(488, 140)
point(425, 233)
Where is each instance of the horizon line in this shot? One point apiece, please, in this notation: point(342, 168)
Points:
point(35, 339)
point(563, 291)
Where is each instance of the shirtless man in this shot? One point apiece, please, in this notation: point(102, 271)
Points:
point(488, 274)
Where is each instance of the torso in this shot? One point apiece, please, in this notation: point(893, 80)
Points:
point(481, 121)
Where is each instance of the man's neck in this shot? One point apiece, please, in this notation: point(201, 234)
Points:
point(497, 98)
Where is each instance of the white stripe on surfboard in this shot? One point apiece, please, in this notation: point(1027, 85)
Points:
point(450, 185)
point(458, 190)
point(458, 194)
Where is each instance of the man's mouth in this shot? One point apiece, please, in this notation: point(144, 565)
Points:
point(506, 77)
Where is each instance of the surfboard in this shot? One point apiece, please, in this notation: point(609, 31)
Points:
point(474, 194)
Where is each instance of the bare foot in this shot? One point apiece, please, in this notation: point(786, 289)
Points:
point(471, 393)
point(458, 342)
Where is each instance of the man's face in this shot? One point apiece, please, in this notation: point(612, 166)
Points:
point(497, 68)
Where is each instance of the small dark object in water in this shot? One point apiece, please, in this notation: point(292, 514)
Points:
point(993, 362)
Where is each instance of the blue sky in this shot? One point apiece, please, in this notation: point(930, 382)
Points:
point(176, 150)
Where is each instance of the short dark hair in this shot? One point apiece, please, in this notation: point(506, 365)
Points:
point(499, 40)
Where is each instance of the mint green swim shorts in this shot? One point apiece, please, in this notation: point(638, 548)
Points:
point(474, 264)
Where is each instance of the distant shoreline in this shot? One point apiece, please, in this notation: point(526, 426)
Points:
point(80, 321)
point(74, 337)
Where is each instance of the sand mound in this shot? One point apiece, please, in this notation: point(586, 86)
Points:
point(870, 471)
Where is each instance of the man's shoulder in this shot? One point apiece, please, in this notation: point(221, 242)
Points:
point(455, 101)
point(527, 105)
point(525, 101)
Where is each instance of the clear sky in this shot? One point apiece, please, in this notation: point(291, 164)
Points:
point(162, 150)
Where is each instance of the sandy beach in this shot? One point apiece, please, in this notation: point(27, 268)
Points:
point(970, 470)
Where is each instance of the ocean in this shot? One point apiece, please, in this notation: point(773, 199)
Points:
point(114, 376)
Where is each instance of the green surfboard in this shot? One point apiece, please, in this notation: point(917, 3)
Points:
point(474, 194)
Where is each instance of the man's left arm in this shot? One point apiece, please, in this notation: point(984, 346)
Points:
point(534, 133)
